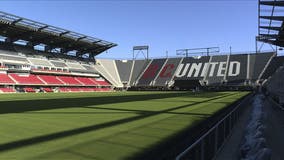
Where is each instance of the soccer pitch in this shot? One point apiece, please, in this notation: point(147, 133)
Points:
point(115, 125)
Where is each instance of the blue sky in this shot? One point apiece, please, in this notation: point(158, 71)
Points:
point(163, 25)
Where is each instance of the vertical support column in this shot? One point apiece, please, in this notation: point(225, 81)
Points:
point(216, 139)
point(202, 150)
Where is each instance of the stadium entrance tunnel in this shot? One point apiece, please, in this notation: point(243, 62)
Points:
point(186, 84)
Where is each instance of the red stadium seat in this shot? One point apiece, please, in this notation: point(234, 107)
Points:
point(26, 79)
point(69, 80)
point(86, 81)
point(28, 89)
point(50, 79)
point(101, 82)
point(72, 89)
point(87, 89)
point(47, 89)
point(5, 79)
point(7, 90)
point(64, 89)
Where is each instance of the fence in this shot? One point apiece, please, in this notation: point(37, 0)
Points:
point(208, 144)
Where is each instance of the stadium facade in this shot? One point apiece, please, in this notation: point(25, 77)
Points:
point(36, 57)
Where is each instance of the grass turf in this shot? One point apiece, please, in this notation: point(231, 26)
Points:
point(116, 125)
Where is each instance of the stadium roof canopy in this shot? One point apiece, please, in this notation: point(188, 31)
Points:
point(18, 28)
point(270, 22)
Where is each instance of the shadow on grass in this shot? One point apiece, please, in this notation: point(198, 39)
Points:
point(46, 104)
point(104, 100)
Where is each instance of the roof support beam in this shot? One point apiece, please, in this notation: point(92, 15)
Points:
point(272, 3)
point(271, 28)
point(276, 18)
point(16, 21)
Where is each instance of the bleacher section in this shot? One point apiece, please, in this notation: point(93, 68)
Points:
point(137, 68)
point(59, 64)
point(86, 81)
point(29, 90)
point(69, 80)
point(40, 62)
point(124, 69)
point(50, 79)
point(75, 66)
point(258, 62)
point(219, 70)
point(7, 90)
point(5, 79)
point(217, 75)
point(47, 89)
point(89, 68)
point(13, 59)
point(151, 72)
point(168, 72)
point(48, 74)
point(108, 70)
point(26, 79)
point(275, 63)
point(101, 82)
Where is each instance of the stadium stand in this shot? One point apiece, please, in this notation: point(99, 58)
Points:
point(275, 63)
point(237, 71)
point(26, 79)
point(75, 66)
point(110, 67)
point(101, 82)
point(47, 90)
point(29, 90)
point(86, 81)
point(7, 90)
point(193, 68)
point(105, 73)
point(167, 72)
point(258, 62)
point(124, 69)
point(151, 72)
point(39, 62)
point(50, 79)
point(137, 68)
point(5, 79)
point(69, 80)
point(64, 89)
point(7, 57)
point(217, 75)
point(59, 64)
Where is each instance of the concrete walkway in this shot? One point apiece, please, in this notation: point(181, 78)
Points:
point(274, 133)
point(230, 150)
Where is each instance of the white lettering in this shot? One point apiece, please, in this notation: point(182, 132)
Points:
point(194, 67)
point(212, 69)
point(204, 70)
point(234, 68)
point(222, 69)
point(179, 74)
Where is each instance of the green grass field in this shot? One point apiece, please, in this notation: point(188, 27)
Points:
point(116, 125)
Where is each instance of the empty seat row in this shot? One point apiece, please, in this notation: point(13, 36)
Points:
point(7, 90)
point(26, 79)
point(31, 79)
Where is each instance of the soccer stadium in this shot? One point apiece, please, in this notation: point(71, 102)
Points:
point(60, 101)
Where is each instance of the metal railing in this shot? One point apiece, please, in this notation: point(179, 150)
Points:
point(206, 147)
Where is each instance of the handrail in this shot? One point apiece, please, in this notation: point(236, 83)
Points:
point(199, 141)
